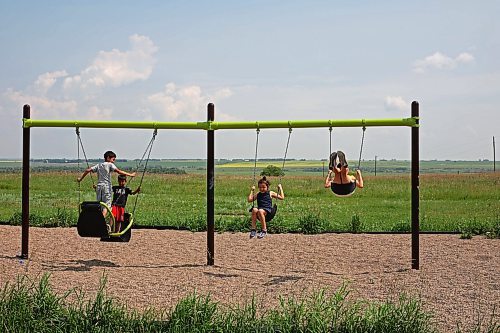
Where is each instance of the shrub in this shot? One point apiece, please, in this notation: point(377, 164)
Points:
point(196, 223)
point(312, 224)
point(34, 219)
point(401, 226)
point(234, 224)
point(272, 170)
point(356, 224)
point(62, 218)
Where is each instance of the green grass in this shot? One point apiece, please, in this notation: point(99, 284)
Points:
point(30, 306)
point(448, 203)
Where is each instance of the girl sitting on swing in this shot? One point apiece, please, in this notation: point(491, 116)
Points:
point(264, 205)
point(342, 184)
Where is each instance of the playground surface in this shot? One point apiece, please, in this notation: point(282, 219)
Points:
point(458, 280)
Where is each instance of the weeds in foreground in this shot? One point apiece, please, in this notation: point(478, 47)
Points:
point(356, 224)
point(312, 224)
point(27, 306)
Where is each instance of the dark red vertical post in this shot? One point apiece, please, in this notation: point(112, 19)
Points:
point(415, 183)
point(25, 209)
point(210, 187)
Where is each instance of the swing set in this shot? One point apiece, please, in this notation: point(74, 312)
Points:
point(343, 189)
point(91, 220)
point(274, 208)
point(210, 126)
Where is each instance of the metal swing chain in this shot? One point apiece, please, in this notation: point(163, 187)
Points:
point(361, 149)
point(78, 144)
point(78, 168)
point(331, 129)
point(286, 150)
point(255, 164)
point(150, 148)
point(84, 154)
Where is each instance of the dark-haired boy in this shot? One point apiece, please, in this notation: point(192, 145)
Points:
point(120, 195)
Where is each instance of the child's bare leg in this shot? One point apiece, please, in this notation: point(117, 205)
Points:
point(118, 226)
point(254, 218)
point(262, 218)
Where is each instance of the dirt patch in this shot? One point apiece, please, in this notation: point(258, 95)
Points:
point(458, 280)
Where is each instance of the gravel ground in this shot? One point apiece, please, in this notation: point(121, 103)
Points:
point(458, 280)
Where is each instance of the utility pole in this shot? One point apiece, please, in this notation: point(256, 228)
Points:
point(375, 165)
point(494, 157)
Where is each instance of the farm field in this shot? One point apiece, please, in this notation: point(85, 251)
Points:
point(245, 166)
point(449, 202)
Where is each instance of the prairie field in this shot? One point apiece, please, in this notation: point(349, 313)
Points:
point(448, 202)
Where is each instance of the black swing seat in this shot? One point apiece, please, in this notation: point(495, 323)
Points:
point(125, 237)
point(91, 223)
point(269, 216)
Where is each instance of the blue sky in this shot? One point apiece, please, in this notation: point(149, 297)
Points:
point(256, 60)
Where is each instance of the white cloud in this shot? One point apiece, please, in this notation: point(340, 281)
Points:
point(41, 106)
point(45, 81)
point(396, 103)
point(96, 113)
point(116, 68)
point(189, 102)
point(442, 62)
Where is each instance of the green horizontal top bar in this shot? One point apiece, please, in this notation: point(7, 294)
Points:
point(411, 122)
point(113, 124)
point(217, 125)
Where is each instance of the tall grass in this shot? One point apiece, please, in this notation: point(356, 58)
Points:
point(451, 203)
point(29, 306)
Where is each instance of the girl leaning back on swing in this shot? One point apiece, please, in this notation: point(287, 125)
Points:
point(342, 184)
point(264, 205)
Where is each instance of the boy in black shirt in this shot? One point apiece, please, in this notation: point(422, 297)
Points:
point(120, 195)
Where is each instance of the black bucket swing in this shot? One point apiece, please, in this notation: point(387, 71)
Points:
point(91, 220)
point(274, 209)
point(347, 189)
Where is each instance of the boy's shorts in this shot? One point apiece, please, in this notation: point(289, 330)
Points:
point(103, 194)
point(118, 213)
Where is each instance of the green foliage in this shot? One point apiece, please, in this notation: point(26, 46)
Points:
point(401, 226)
point(312, 223)
point(471, 227)
point(356, 224)
point(28, 306)
point(59, 218)
point(495, 229)
point(233, 224)
point(167, 171)
point(272, 170)
point(194, 313)
point(279, 226)
point(195, 223)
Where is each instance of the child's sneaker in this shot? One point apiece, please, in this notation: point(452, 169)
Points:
point(333, 158)
point(342, 159)
point(262, 234)
point(253, 233)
